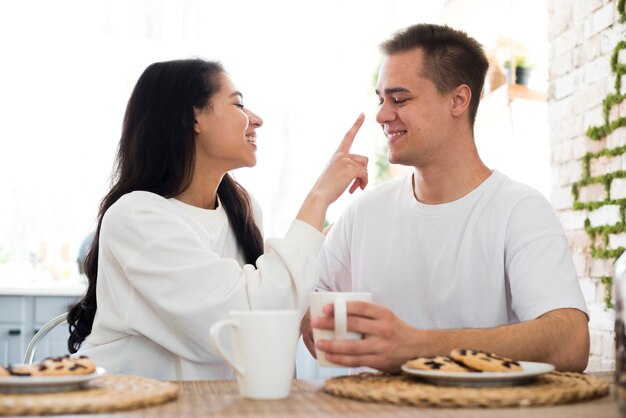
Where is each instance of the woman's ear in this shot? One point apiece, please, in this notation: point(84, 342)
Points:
point(196, 127)
point(461, 99)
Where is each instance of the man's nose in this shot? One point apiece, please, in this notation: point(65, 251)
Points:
point(385, 114)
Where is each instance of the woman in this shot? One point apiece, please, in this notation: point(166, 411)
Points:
point(177, 244)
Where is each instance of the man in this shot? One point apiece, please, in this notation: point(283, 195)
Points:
point(456, 255)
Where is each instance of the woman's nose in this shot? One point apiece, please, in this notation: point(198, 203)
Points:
point(255, 120)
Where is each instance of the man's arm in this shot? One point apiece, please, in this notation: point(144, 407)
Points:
point(560, 337)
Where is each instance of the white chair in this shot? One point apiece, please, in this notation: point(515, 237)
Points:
point(32, 345)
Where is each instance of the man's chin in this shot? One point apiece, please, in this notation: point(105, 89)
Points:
point(396, 159)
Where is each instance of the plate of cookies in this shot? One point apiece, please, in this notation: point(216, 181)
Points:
point(465, 367)
point(52, 374)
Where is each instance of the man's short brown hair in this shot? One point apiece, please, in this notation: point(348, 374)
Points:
point(451, 58)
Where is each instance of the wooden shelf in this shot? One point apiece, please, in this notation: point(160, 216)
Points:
point(518, 91)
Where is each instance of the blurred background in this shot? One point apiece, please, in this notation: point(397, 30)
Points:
point(308, 68)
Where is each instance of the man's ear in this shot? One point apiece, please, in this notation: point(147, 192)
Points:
point(461, 97)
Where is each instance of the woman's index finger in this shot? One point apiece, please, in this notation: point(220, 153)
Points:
point(348, 139)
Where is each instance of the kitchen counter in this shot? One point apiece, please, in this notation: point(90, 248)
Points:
point(42, 288)
point(23, 279)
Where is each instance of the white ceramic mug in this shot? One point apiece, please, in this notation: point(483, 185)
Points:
point(264, 344)
point(317, 301)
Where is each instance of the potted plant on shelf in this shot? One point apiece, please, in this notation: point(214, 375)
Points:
point(522, 70)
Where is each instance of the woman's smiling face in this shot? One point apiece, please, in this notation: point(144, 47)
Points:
point(226, 130)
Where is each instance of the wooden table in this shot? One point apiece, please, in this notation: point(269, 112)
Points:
point(221, 399)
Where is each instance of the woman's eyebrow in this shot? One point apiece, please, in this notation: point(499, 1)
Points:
point(237, 93)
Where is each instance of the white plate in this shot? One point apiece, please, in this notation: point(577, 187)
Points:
point(531, 370)
point(47, 383)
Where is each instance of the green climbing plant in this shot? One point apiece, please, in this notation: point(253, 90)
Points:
point(599, 235)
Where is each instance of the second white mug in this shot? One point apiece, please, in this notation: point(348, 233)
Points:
point(264, 344)
point(317, 301)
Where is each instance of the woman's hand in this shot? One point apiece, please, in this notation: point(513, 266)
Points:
point(342, 169)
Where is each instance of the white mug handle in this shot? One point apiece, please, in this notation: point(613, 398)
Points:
point(341, 319)
point(214, 335)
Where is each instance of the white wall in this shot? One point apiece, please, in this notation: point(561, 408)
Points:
point(68, 68)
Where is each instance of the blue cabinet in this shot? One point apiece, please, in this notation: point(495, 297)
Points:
point(11, 342)
point(22, 316)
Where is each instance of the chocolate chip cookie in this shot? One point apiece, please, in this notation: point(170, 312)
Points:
point(484, 361)
point(52, 366)
point(63, 366)
point(438, 363)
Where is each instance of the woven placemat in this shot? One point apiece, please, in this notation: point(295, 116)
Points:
point(104, 394)
point(550, 389)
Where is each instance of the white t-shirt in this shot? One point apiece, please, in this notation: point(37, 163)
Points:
point(167, 271)
point(496, 256)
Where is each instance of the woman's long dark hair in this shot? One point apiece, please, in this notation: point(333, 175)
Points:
point(157, 153)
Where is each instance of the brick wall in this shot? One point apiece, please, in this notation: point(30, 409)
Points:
point(583, 37)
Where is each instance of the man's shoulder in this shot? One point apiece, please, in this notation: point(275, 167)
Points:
point(374, 203)
point(524, 207)
point(388, 190)
point(511, 192)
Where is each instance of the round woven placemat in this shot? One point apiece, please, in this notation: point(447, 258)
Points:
point(550, 389)
point(104, 394)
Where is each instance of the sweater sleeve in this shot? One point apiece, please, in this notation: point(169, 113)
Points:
point(159, 280)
